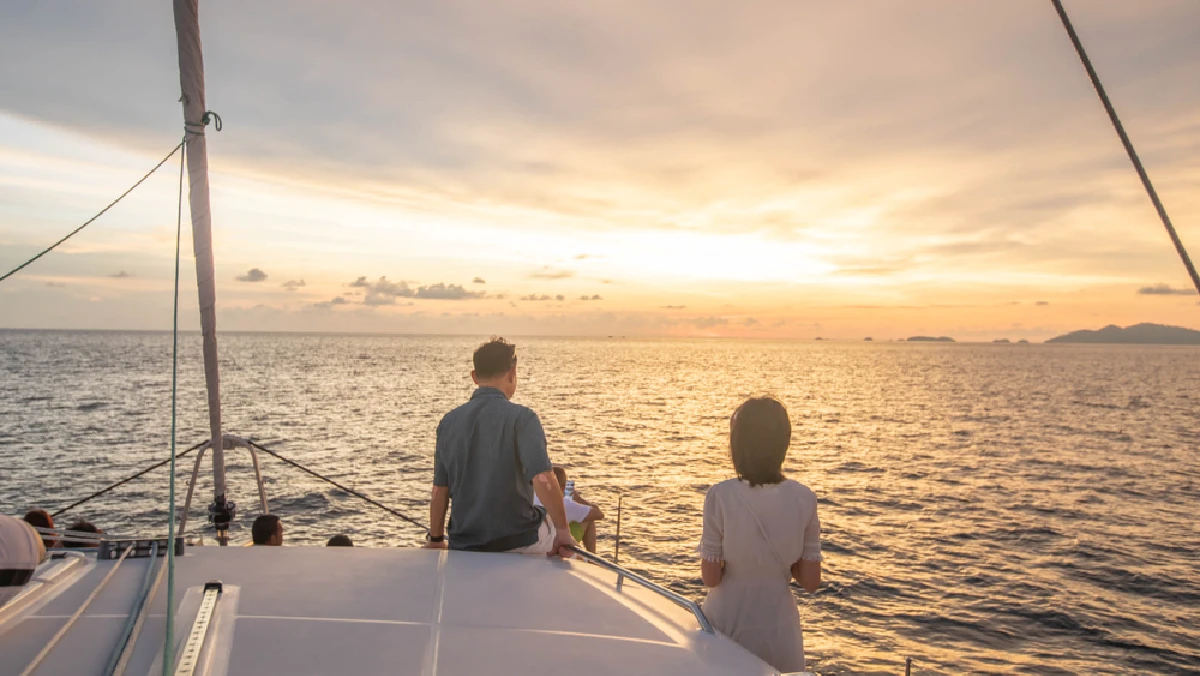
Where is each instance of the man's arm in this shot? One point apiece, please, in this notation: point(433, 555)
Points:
point(595, 514)
point(439, 504)
point(545, 485)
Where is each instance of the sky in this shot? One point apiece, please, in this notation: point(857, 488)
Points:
point(786, 169)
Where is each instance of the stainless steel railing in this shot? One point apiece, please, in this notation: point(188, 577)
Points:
point(623, 573)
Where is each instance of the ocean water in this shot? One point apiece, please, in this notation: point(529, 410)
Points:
point(986, 508)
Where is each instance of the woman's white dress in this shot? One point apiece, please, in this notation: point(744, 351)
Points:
point(759, 532)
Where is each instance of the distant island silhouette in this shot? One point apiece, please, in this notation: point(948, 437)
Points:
point(1000, 340)
point(1143, 334)
point(929, 339)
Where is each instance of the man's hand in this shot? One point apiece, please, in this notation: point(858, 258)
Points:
point(435, 545)
point(563, 542)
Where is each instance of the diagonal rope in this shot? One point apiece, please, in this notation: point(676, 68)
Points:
point(89, 221)
point(1133, 156)
point(353, 492)
point(124, 481)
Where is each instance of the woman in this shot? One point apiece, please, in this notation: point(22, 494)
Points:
point(760, 530)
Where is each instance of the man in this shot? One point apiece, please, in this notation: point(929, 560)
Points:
point(581, 514)
point(267, 531)
point(340, 540)
point(491, 460)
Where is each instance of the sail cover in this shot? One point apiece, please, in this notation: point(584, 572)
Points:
point(191, 81)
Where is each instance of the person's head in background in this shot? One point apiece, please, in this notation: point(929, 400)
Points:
point(759, 436)
point(40, 518)
point(560, 473)
point(82, 526)
point(21, 552)
point(496, 366)
point(267, 531)
point(339, 541)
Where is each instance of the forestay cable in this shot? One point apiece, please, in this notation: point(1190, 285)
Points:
point(89, 221)
point(1133, 156)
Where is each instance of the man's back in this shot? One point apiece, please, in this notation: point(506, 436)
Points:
point(488, 451)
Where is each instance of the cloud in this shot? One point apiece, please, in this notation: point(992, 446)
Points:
point(253, 275)
point(120, 275)
point(671, 307)
point(385, 291)
point(534, 296)
point(750, 321)
point(592, 297)
point(1042, 302)
point(548, 273)
point(585, 256)
point(293, 284)
point(442, 291)
point(478, 280)
point(1164, 290)
point(336, 300)
point(56, 285)
point(708, 322)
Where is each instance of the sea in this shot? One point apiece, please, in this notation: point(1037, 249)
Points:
point(985, 508)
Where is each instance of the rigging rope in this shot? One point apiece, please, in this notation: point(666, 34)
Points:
point(89, 221)
point(169, 639)
point(1133, 156)
point(122, 482)
point(326, 479)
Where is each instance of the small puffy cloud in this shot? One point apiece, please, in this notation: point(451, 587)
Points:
point(1042, 302)
point(293, 284)
point(56, 285)
point(671, 307)
point(120, 275)
point(478, 280)
point(592, 297)
point(549, 273)
point(442, 291)
point(253, 275)
point(560, 297)
point(336, 300)
point(534, 296)
point(1164, 290)
point(361, 283)
point(585, 256)
point(750, 321)
point(709, 322)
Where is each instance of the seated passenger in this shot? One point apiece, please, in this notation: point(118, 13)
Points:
point(491, 457)
point(21, 552)
point(340, 541)
point(40, 518)
point(267, 531)
point(581, 514)
point(82, 526)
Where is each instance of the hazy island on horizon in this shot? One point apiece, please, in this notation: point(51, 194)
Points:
point(1137, 334)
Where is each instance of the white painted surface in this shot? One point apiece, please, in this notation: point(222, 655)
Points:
point(353, 610)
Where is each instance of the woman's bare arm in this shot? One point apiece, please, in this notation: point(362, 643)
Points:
point(808, 574)
point(711, 571)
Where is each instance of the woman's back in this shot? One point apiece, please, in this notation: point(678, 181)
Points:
point(759, 532)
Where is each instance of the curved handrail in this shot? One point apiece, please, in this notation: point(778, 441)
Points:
point(678, 600)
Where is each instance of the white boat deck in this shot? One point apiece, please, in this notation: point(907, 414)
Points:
point(331, 610)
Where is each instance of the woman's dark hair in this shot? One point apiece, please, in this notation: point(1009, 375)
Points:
point(494, 358)
point(759, 436)
point(40, 518)
point(340, 541)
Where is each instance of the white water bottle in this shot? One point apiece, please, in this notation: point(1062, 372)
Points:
point(569, 490)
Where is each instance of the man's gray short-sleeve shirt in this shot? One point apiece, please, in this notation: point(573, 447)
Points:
point(488, 451)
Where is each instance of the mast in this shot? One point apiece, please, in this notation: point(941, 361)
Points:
point(191, 81)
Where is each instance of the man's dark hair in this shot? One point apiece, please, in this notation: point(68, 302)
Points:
point(82, 527)
point(340, 541)
point(264, 528)
point(759, 436)
point(494, 358)
point(40, 518)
